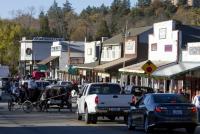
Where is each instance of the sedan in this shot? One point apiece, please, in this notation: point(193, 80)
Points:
point(163, 110)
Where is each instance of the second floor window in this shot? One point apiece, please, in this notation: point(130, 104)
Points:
point(168, 48)
point(154, 47)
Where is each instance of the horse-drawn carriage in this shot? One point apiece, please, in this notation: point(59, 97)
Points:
point(52, 96)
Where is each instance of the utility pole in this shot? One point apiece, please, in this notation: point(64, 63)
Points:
point(124, 63)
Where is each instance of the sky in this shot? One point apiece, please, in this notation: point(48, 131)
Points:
point(8, 6)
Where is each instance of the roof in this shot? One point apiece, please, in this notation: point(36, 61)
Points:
point(177, 69)
point(90, 65)
point(47, 60)
point(132, 32)
point(137, 68)
point(74, 47)
point(189, 33)
point(113, 63)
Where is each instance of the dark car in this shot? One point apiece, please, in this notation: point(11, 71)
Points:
point(163, 110)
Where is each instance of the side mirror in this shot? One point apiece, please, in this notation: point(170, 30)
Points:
point(79, 95)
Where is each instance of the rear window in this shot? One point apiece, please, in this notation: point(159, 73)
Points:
point(105, 89)
point(169, 98)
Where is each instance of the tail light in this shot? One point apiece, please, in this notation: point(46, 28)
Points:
point(133, 100)
point(160, 109)
point(193, 109)
point(96, 100)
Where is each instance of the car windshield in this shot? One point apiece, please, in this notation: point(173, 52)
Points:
point(105, 89)
point(169, 98)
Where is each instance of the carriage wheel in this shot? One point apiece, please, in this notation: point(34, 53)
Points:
point(27, 106)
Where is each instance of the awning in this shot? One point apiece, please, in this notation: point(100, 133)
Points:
point(47, 60)
point(89, 65)
point(113, 63)
point(137, 68)
point(176, 69)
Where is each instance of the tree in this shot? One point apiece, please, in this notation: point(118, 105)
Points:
point(67, 7)
point(55, 16)
point(44, 25)
point(115, 6)
point(9, 46)
point(102, 30)
point(143, 3)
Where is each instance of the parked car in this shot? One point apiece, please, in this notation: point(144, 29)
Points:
point(163, 110)
point(5, 83)
point(102, 99)
point(42, 84)
point(64, 83)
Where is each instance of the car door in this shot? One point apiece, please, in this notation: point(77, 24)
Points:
point(81, 101)
point(136, 112)
point(141, 110)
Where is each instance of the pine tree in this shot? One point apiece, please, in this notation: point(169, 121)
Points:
point(102, 30)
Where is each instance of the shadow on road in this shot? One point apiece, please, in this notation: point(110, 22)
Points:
point(26, 129)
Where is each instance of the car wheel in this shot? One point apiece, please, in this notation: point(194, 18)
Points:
point(94, 119)
point(79, 116)
point(87, 116)
point(130, 123)
point(147, 129)
point(190, 130)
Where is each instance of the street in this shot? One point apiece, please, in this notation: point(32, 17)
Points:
point(54, 122)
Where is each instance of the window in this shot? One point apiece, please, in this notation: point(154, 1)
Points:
point(89, 51)
point(168, 48)
point(154, 47)
point(194, 50)
point(113, 54)
point(162, 33)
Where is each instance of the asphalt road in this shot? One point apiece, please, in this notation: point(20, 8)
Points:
point(63, 122)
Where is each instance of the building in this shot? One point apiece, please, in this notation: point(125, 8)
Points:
point(122, 50)
point(34, 51)
point(173, 48)
point(64, 56)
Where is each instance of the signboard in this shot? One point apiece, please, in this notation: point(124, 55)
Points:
point(130, 47)
point(149, 67)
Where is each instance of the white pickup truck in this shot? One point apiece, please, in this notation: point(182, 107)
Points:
point(102, 99)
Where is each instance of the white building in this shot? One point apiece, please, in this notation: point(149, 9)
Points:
point(63, 55)
point(165, 42)
point(92, 50)
point(34, 51)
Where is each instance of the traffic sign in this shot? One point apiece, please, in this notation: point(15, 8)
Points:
point(149, 67)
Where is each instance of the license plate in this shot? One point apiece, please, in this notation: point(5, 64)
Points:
point(177, 112)
point(114, 109)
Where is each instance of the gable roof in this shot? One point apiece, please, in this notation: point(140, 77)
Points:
point(132, 32)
